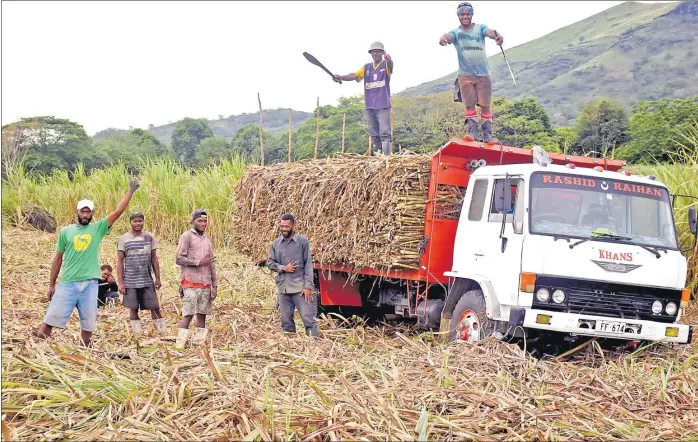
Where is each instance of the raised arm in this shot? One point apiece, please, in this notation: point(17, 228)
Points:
point(496, 36)
point(446, 39)
point(389, 62)
point(132, 186)
point(348, 77)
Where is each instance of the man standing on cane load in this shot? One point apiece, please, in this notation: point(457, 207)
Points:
point(376, 76)
point(198, 278)
point(473, 71)
point(290, 258)
point(78, 249)
point(137, 261)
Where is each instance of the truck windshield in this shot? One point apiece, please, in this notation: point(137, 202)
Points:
point(589, 207)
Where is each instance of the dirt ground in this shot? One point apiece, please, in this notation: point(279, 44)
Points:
point(362, 383)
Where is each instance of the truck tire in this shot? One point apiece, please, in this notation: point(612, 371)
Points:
point(469, 322)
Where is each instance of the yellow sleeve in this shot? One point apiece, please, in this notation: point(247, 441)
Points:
point(360, 73)
point(387, 69)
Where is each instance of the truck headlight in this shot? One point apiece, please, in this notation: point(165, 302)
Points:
point(657, 307)
point(558, 296)
point(543, 295)
point(670, 308)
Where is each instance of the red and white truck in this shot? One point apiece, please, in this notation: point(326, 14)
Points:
point(544, 243)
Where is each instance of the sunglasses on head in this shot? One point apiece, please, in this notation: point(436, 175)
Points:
point(464, 4)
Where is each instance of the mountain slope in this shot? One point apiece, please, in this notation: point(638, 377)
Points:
point(275, 122)
point(631, 52)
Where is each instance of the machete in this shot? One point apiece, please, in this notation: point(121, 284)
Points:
point(315, 61)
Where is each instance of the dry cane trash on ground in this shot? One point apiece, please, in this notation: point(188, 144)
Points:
point(364, 383)
point(355, 210)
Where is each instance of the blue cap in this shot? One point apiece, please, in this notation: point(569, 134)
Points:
point(198, 214)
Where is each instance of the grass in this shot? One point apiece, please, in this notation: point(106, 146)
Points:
point(682, 178)
point(252, 382)
point(168, 195)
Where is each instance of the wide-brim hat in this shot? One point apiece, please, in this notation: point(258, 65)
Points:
point(376, 45)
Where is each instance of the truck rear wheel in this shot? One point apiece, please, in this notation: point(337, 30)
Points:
point(469, 322)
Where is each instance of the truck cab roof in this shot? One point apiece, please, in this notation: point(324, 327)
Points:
point(530, 168)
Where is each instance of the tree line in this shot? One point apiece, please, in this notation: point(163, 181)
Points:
point(650, 131)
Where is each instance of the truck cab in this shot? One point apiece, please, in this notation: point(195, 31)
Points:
point(558, 248)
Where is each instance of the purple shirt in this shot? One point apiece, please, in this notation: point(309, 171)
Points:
point(377, 86)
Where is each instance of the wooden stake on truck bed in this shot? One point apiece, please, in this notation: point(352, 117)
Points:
point(344, 126)
point(392, 117)
point(261, 134)
point(317, 126)
point(290, 132)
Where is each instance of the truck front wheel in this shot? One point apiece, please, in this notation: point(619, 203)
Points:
point(469, 322)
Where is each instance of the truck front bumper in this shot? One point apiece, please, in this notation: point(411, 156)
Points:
point(589, 325)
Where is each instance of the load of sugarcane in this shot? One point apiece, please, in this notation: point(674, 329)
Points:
point(357, 211)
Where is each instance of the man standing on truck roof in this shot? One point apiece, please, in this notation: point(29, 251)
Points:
point(290, 258)
point(78, 249)
point(474, 78)
point(376, 76)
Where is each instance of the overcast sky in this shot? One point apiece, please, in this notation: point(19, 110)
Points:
point(121, 64)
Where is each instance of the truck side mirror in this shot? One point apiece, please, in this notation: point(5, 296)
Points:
point(502, 196)
point(692, 221)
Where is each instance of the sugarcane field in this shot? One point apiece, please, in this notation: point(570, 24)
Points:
point(505, 252)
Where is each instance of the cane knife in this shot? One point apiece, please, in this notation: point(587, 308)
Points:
point(315, 61)
point(506, 59)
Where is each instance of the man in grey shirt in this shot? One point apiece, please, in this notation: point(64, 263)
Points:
point(137, 261)
point(290, 258)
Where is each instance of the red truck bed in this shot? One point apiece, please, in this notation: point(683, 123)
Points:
point(448, 167)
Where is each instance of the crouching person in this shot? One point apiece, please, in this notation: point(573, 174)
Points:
point(290, 258)
point(199, 285)
point(108, 289)
point(137, 261)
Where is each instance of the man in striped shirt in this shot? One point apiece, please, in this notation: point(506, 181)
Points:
point(137, 260)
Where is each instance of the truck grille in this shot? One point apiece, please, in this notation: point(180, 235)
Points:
point(604, 299)
point(616, 305)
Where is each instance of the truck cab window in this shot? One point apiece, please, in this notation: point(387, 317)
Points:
point(477, 203)
point(494, 216)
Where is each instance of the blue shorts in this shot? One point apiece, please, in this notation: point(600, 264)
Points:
point(82, 295)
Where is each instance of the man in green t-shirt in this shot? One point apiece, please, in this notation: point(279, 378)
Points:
point(78, 248)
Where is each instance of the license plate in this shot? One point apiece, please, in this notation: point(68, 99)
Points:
point(610, 327)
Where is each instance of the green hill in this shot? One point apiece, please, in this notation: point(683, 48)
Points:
point(275, 122)
point(631, 52)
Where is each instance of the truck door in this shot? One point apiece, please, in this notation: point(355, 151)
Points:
point(499, 259)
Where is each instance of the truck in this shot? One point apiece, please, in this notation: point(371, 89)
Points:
point(545, 244)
